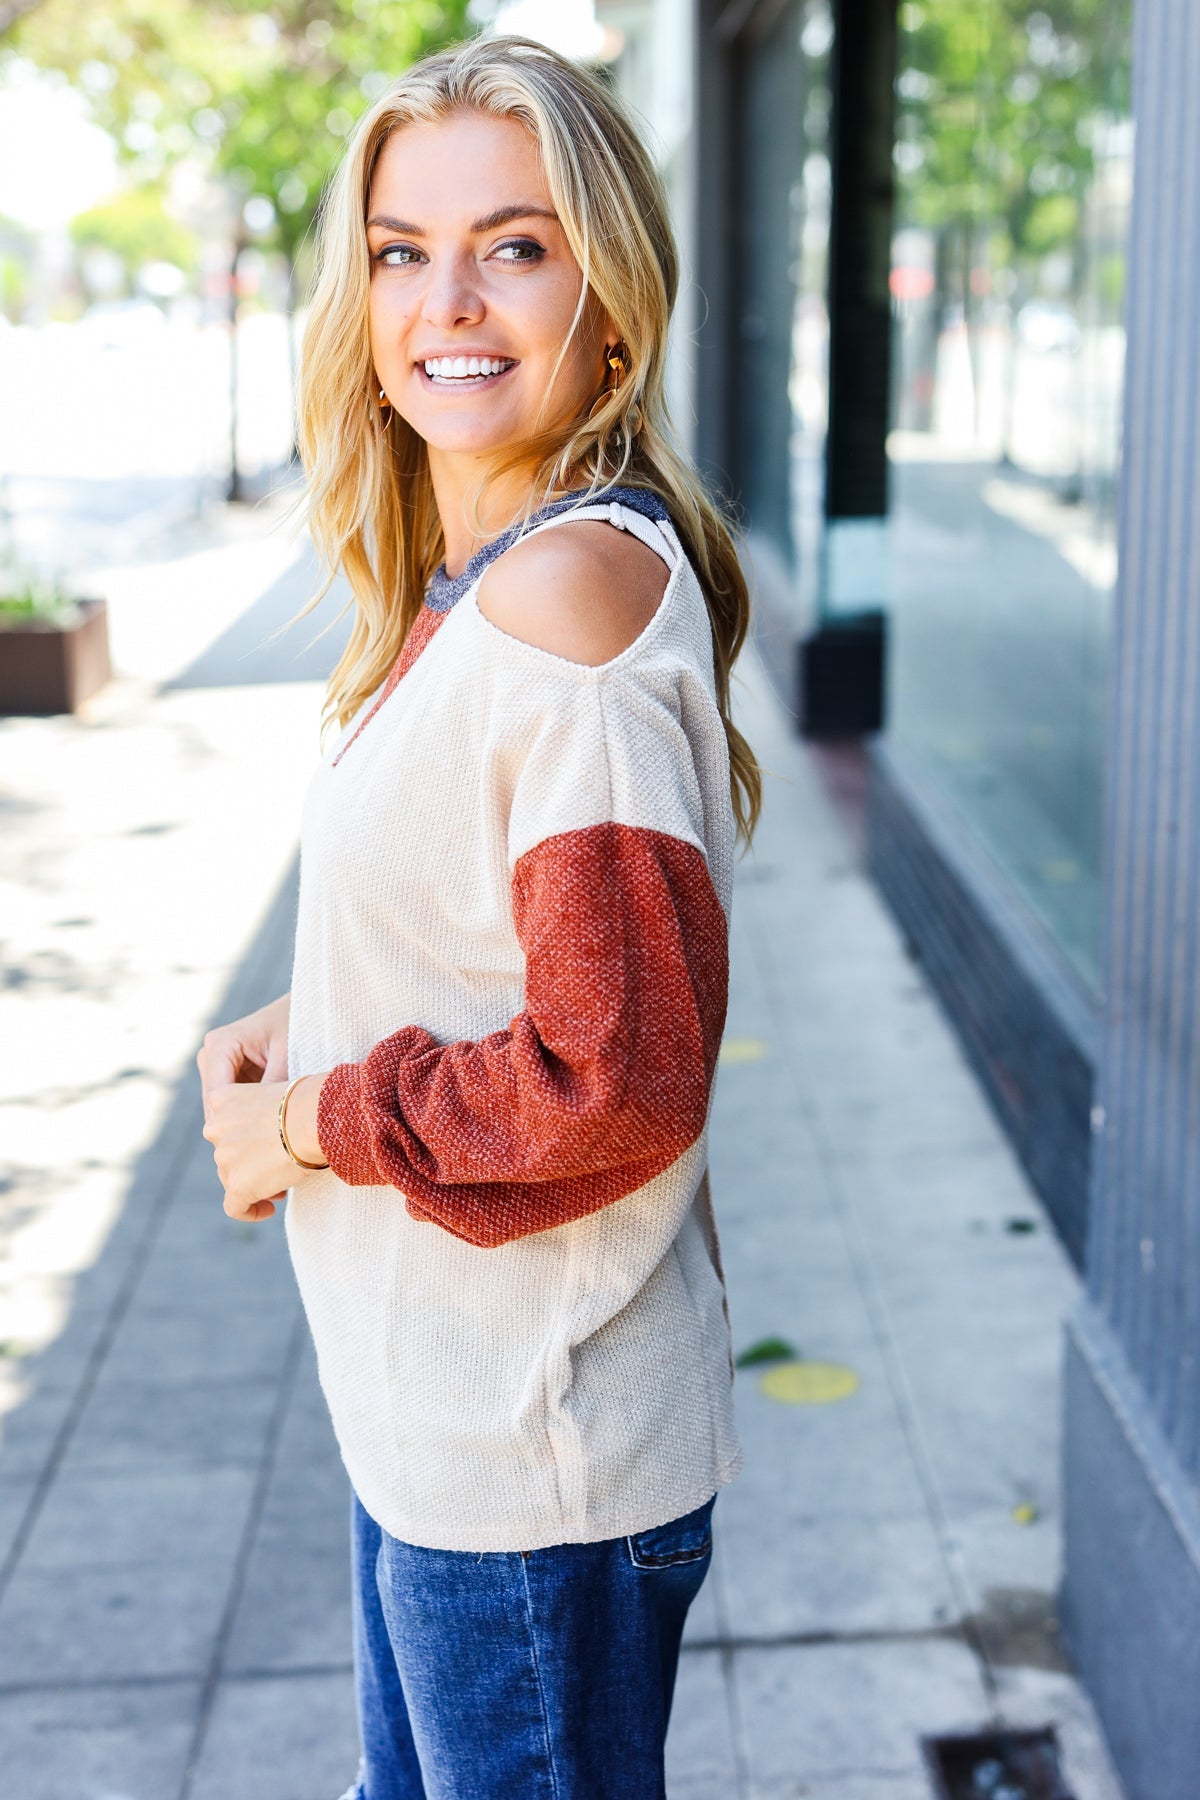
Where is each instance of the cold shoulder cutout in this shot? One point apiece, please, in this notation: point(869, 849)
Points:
point(585, 595)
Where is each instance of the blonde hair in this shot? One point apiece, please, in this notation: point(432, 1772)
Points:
point(371, 507)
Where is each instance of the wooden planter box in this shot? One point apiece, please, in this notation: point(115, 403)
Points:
point(49, 668)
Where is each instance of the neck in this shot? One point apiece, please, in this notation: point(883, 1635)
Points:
point(456, 482)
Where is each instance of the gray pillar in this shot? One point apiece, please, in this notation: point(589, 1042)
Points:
point(1131, 1593)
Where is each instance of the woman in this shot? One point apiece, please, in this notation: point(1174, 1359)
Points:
point(511, 948)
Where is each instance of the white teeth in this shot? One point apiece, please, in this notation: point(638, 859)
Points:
point(464, 368)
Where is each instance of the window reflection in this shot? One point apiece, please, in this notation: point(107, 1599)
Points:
point(809, 384)
point(1013, 167)
point(781, 398)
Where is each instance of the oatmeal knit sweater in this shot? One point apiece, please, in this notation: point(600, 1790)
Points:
point(511, 956)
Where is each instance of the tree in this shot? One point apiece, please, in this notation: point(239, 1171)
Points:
point(996, 101)
point(999, 102)
point(137, 229)
point(262, 95)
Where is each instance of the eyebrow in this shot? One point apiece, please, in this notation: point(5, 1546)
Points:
point(503, 215)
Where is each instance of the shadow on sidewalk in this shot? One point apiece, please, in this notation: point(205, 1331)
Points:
point(135, 1471)
point(242, 656)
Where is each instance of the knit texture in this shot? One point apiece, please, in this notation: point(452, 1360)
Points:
point(512, 959)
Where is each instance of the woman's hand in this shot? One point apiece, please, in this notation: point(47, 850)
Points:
point(251, 1049)
point(242, 1125)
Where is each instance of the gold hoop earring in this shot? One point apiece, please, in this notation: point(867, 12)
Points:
point(385, 419)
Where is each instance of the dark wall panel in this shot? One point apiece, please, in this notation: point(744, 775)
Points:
point(1025, 1025)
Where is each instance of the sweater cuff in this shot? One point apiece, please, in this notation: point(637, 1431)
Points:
point(342, 1127)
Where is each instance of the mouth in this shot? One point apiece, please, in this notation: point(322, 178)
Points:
point(460, 374)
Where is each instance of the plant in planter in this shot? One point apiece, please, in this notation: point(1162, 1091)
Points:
point(53, 645)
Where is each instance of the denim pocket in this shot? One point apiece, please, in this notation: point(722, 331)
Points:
point(684, 1540)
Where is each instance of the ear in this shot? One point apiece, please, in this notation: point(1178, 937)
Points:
point(608, 330)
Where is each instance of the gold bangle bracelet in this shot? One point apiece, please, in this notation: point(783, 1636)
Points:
point(283, 1128)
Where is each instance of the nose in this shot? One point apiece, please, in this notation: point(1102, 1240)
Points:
point(452, 295)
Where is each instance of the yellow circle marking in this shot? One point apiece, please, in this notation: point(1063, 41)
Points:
point(808, 1383)
point(742, 1050)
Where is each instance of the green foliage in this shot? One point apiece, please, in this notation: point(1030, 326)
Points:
point(1050, 223)
point(137, 228)
point(16, 265)
point(264, 93)
point(14, 284)
point(766, 1350)
point(997, 104)
point(27, 597)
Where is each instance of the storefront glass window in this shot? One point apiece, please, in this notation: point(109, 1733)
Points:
point(1014, 149)
point(783, 324)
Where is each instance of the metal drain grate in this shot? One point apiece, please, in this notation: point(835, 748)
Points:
point(997, 1765)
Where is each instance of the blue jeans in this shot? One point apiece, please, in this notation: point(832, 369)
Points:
point(520, 1675)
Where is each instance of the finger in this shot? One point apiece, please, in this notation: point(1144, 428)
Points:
point(224, 1063)
point(249, 1212)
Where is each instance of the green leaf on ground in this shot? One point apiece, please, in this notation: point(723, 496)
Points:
point(766, 1350)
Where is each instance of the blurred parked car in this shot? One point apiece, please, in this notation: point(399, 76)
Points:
point(121, 324)
point(1045, 325)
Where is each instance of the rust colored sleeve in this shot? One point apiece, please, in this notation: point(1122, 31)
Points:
point(599, 1084)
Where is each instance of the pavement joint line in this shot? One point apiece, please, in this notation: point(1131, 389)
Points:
point(737, 1727)
point(801, 1640)
point(855, 1771)
point(293, 1672)
point(237, 1582)
point(880, 1323)
point(733, 1713)
point(94, 1684)
point(102, 1683)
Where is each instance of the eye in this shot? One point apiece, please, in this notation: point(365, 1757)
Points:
point(397, 256)
point(532, 251)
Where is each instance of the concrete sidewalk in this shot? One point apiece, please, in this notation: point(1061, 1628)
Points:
point(174, 1594)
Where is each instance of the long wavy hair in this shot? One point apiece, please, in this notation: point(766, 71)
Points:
point(371, 508)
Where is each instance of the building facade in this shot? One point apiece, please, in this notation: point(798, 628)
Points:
point(939, 349)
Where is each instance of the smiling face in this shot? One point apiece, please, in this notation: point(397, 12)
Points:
point(474, 287)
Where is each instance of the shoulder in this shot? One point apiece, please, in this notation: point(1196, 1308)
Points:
point(582, 591)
